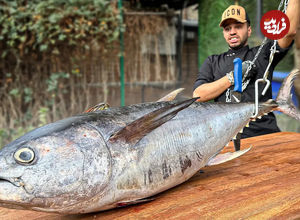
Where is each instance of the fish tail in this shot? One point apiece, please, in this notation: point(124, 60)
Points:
point(284, 98)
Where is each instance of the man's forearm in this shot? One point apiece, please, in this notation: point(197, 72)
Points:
point(293, 13)
point(209, 91)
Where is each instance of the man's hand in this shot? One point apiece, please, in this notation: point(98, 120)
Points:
point(251, 73)
point(245, 77)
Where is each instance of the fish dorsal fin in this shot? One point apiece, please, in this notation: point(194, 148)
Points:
point(99, 107)
point(137, 129)
point(222, 158)
point(171, 96)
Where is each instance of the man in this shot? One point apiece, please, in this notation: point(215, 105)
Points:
point(214, 79)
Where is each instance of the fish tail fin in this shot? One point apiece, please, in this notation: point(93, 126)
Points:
point(284, 98)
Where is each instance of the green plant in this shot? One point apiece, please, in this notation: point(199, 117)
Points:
point(43, 112)
point(53, 81)
point(7, 135)
point(43, 26)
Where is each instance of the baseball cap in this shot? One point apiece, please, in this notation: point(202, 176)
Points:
point(235, 12)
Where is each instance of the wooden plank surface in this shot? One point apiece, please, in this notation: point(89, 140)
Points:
point(262, 184)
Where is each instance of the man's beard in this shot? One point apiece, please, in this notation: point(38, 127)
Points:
point(242, 44)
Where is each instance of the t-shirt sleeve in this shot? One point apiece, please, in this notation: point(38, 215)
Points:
point(205, 75)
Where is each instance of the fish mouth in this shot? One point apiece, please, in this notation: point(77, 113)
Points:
point(16, 181)
point(13, 193)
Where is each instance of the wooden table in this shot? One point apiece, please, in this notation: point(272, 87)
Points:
point(262, 184)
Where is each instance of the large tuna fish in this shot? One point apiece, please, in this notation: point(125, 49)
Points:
point(105, 159)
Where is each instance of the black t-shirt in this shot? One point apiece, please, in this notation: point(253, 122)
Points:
point(216, 67)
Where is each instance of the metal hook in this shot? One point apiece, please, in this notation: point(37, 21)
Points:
point(266, 87)
point(256, 93)
point(264, 79)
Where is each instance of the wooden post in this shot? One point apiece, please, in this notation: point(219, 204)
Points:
point(122, 77)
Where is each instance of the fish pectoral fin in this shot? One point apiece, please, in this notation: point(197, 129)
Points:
point(99, 107)
point(139, 128)
point(127, 203)
point(171, 96)
point(222, 158)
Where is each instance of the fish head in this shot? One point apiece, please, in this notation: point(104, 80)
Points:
point(54, 172)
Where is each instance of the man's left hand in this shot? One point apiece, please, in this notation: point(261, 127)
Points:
point(252, 71)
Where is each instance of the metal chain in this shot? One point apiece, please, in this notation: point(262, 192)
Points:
point(273, 51)
point(245, 83)
point(228, 97)
point(286, 2)
point(280, 5)
point(265, 77)
point(285, 6)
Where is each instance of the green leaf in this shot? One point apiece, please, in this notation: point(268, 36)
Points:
point(43, 47)
point(61, 37)
point(14, 92)
point(22, 38)
point(4, 53)
point(49, 22)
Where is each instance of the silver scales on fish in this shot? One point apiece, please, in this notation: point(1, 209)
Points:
point(108, 158)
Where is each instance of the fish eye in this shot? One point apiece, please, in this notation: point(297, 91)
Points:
point(24, 155)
